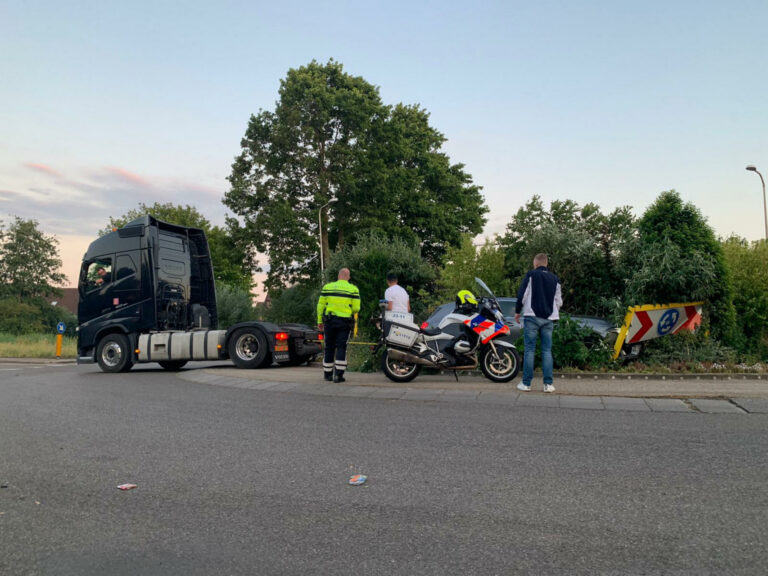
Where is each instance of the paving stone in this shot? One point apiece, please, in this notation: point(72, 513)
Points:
point(388, 393)
point(582, 402)
point(224, 381)
point(753, 405)
point(667, 405)
point(199, 376)
point(237, 383)
point(528, 399)
point(498, 397)
point(630, 404)
point(416, 394)
point(266, 385)
point(459, 396)
point(716, 406)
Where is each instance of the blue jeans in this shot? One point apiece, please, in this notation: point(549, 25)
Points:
point(532, 328)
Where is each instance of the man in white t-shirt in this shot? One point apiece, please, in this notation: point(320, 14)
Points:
point(396, 296)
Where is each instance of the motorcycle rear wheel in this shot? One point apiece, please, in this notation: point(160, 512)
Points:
point(398, 370)
point(501, 367)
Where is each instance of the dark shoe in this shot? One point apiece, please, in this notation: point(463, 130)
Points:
point(328, 376)
point(338, 379)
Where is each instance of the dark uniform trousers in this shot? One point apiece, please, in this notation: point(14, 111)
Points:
point(336, 335)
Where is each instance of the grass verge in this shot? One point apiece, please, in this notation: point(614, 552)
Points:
point(35, 346)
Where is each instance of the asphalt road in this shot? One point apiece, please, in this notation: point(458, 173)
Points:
point(243, 481)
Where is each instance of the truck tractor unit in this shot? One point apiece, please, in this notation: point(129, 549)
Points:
point(147, 294)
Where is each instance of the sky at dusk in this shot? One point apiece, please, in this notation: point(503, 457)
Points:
point(108, 104)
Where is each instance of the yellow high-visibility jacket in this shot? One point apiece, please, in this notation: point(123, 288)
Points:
point(338, 298)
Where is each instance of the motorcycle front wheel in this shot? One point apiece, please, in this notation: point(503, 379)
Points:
point(398, 370)
point(500, 366)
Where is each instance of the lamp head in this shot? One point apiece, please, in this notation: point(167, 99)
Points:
point(752, 168)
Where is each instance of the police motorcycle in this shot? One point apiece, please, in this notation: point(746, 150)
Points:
point(470, 336)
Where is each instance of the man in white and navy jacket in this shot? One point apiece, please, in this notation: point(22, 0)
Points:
point(538, 299)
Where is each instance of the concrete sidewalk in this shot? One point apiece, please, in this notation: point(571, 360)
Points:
point(712, 396)
point(629, 386)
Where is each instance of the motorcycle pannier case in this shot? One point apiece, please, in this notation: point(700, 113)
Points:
point(401, 334)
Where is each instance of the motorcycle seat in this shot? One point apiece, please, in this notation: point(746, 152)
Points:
point(430, 331)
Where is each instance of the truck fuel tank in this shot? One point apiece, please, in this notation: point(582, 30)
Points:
point(196, 345)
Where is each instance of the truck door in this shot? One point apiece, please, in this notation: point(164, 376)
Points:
point(127, 284)
point(96, 282)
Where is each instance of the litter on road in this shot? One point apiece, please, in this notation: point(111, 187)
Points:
point(126, 486)
point(357, 479)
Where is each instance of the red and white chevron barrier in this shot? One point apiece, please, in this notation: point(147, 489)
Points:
point(651, 321)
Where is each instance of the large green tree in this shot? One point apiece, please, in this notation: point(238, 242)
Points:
point(679, 258)
point(331, 155)
point(406, 187)
point(233, 262)
point(30, 265)
point(465, 263)
point(584, 248)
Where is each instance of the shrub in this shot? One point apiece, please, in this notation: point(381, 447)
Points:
point(369, 261)
point(688, 348)
point(297, 304)
point(574, 346)
point(20, 317)
point(234, 305)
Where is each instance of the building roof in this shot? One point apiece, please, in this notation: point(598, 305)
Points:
point(68, 299)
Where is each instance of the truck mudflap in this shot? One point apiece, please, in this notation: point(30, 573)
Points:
point(167, 346)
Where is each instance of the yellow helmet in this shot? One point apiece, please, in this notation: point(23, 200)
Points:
point(465, 297)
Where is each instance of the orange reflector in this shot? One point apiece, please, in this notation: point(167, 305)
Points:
point(281, 336)
point(218, 346)
point(137, 351)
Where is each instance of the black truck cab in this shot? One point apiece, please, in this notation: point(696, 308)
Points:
point(147, 294)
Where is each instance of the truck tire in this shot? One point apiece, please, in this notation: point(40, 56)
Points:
point(113, 353)
point(248, 348)
point(172, 365)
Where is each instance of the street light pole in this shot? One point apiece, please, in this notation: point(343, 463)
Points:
point(320, 228)
point(765, 209)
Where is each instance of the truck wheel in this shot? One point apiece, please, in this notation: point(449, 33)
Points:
point(248, 348)
point(173, 365)
point(113, 353)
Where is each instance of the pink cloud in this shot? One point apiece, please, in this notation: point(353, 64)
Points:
point(129, 177)
point(37, 167)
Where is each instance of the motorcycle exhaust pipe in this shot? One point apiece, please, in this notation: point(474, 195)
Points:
point(406, 357)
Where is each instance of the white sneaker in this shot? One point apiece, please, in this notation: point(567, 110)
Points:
point(549, 388)
point(523, 387)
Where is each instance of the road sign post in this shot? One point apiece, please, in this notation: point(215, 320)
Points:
point(60, 329)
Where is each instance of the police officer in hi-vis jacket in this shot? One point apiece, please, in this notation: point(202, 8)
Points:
point(336, 310)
